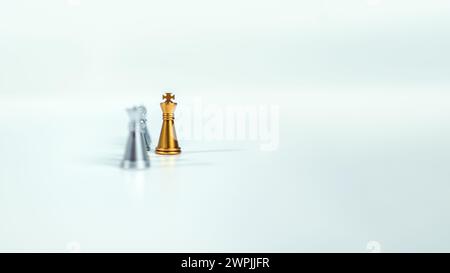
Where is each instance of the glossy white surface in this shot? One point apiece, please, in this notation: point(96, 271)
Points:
point(361, 157)
point(345, 174)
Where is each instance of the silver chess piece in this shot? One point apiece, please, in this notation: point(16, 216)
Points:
point(143, 112)
point(136, 156)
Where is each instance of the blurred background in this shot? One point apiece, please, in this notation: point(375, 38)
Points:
point(362, 128)
point(106, 48)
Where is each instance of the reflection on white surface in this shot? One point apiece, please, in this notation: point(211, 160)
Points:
point(136, 181)
point(363, 153)
point(168, 162)
point(344, 175)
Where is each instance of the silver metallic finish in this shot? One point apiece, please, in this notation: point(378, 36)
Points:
point(143, 112)
point(136, 156)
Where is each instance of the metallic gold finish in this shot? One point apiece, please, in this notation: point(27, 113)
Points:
point(168, 143)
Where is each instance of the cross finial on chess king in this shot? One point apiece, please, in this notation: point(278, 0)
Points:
point(168, 97)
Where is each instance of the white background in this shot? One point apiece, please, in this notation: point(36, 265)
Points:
point(363, 157)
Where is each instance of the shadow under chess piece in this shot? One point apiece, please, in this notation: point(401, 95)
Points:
point(136, 156)
point(168, 143)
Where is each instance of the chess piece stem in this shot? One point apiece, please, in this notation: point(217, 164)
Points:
point(136, 156)
point(145, 133)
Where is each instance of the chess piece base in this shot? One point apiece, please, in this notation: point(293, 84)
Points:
point(138, 165)
point(173, 151)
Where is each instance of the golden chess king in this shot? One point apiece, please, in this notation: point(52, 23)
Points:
point(168, 143)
